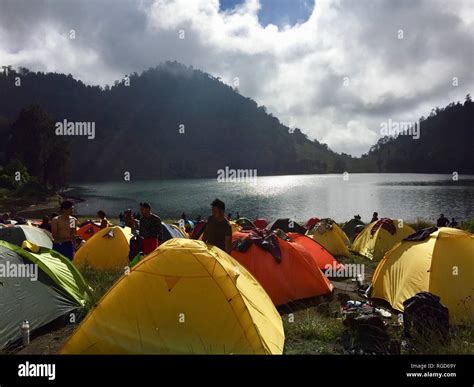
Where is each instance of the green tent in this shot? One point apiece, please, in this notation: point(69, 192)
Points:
point(39, 287)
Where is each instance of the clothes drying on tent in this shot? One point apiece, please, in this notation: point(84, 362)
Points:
point(17, 234)
point(380, 236)
point(245, 223)
point(88, 230)
point(311, 222)
point(38, 287)
point(260, 223)
point(106, 250)
point(186, 297)
point(287, 225)
point(292, 274)
point(442, 264)
point(352, 227)
point(329, 235)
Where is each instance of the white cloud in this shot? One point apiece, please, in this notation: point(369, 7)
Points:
point(297, 71)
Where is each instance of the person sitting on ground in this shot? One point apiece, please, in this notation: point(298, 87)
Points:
point(104, 223)
point(63, 228)
point(45, 223)
point(453, 223)
point(150, 228)
point(442, 221)
point(218, 231)
point(375, 217)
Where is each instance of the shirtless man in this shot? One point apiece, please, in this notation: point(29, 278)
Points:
point(63, 228)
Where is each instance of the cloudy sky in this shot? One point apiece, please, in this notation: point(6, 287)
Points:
point(336, 69)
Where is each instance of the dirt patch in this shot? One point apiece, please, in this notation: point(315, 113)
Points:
point(48, 343)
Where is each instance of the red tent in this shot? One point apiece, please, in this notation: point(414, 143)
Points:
point(318, 252)
point(88, 230)
point(295, 277)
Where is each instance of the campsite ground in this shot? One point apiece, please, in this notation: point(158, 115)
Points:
point(311, 326)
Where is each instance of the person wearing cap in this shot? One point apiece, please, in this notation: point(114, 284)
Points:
point(150, 228)
point(218, 231)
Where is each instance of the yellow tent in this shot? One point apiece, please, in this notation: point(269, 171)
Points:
point(380, 236)
point(442, 264)
point(185, 297)
point(106, 250)
point(328, 234)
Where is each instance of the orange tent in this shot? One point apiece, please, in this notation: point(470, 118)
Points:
point(88, 230)
point(318, 252)
point(296, 276)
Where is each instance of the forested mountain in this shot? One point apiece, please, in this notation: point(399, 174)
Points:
point(445, 144)
point(170, 121)
point(174, 121)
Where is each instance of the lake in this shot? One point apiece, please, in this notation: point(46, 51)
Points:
point(401, 196)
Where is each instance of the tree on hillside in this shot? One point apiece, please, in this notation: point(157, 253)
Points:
point(34, 142)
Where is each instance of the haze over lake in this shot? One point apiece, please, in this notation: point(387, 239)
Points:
point(404, 196)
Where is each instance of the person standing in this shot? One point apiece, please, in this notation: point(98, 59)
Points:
point(218, 231)
point(375, 217)
point(442, 221)
point(150, 228)
point(63, 228)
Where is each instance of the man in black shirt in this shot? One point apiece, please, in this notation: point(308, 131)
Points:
point(375, 217)
point(150, 228)
point(442, 221)
point(218, 230)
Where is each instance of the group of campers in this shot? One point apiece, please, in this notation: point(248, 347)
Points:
point(147, 226)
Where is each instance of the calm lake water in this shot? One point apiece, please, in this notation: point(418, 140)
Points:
point(405, 196)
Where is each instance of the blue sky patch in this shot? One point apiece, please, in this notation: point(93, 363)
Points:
point(278, 12)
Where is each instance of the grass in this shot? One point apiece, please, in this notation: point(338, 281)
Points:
point(310, 333)
point(461, 342)
point(468, 225)
point(100, 281)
